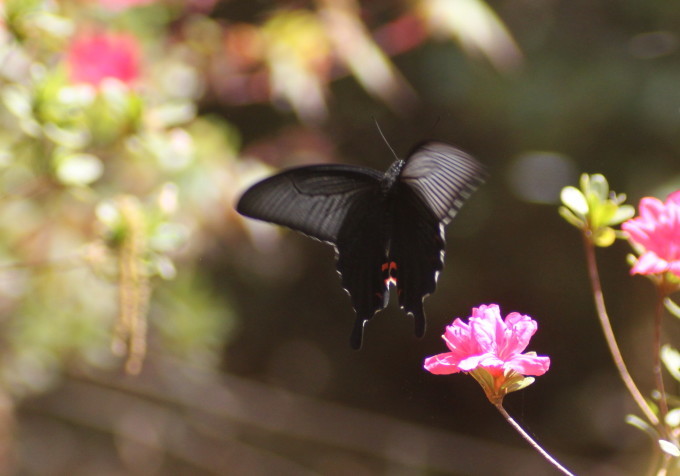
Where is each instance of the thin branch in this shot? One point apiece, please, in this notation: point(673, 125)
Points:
point(609, 334)
point(658, 370)
point(531, 441)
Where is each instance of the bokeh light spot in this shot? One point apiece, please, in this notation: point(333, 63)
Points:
point(538, 176)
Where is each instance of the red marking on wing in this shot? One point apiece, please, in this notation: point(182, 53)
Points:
point(389, 270)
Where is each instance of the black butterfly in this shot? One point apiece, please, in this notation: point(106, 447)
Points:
point(387, 228)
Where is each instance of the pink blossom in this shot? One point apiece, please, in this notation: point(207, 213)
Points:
point(93, 57)
point(657, 231)
point(489, 343)
point(115, 5)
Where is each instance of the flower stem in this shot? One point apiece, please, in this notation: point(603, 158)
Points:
point(609, 333)
point(530, 440)
point(658, 371)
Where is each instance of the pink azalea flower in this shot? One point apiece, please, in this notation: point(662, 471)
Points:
point(657, 231)
point(123, 4)
point(491, 345)
point(94, 57)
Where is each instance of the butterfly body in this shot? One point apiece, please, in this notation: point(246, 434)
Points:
point(387, 228)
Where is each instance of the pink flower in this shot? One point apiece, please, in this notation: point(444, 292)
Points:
point(94, 57)
point(115, 5)
point(490, 347)
point(657, 231)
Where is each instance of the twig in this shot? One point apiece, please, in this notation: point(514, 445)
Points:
point(531, 441)
point(609, 334)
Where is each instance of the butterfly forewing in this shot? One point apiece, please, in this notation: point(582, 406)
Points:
point(443, 177)
point(313, 200)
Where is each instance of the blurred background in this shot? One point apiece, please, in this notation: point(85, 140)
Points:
point(147, 328)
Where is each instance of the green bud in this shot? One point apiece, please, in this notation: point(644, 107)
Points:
point(594, 209)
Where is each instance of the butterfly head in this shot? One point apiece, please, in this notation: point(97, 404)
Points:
point(392, 175)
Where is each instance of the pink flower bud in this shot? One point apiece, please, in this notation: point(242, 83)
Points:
point(94, 57)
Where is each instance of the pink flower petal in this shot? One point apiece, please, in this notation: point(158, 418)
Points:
point(651, 208)
point(458, 339)
point(657, 231)
point(442, 364)
point(529, 365)
point(491, 361)
point(472, 362)
point(649, 263)
point(674, 268)
point(484, 331)
point(523, 328)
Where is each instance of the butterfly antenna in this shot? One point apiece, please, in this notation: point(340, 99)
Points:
point(385, 139)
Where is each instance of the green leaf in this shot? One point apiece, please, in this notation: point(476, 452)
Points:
point(641, 424)
point(618, 198)
point(52, 24)
point(599, 186)
point(71, 138)
point(606, 212)
point(594, 203)
point(79, 169)
point(108, 214)
point(77, 95)
point(175, 113)
point(168, 237)
point(18, 101)
point(669, 448)
point(623, 213)
point(574, 199)
point(671, 359)
point(164, 267)
point(672, 307)
point(520, 384)
point(673, 417)
point(570, 217)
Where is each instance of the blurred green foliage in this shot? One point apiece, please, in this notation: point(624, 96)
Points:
point(97, 199)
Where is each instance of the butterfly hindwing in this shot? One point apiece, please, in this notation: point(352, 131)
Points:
point(313, 199)
point(362, 249)
point(432, 186)
point(417, 249)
